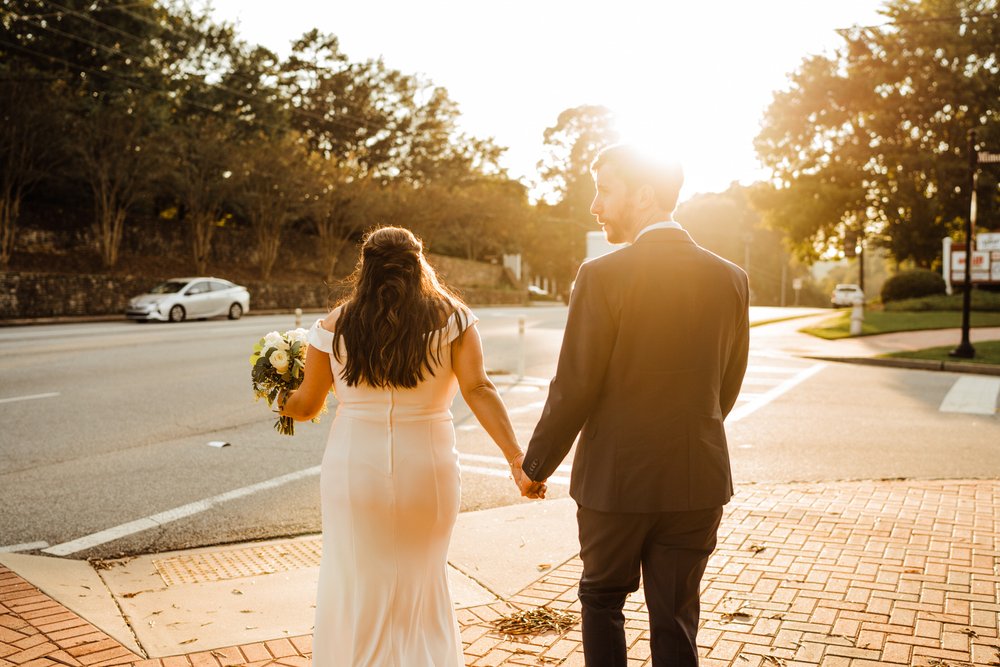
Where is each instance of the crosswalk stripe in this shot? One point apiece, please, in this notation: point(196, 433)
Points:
point(498, 460)
point(972, 395)
point(494, 472)
point(747, 409)
point(762, 380)
point(786, 370)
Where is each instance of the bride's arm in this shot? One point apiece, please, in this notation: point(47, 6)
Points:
point(481, 394)
point(308, 400)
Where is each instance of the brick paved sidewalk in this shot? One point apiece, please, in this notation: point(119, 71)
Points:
point(844, 574)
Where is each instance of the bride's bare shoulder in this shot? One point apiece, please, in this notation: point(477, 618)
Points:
point(330, 321)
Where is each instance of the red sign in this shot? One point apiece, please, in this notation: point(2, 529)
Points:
point(985, 266)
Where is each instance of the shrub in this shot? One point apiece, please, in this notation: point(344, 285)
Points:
point(981, 301)
point(912, 285)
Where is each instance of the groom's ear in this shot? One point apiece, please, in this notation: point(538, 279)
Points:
point(644, 196)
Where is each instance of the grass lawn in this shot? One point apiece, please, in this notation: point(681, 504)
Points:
point(881, 321)
point(987, 352)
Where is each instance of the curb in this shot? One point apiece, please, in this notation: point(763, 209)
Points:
point(83, 319)
point(917, 364)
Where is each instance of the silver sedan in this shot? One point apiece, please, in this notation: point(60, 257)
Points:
point(178, 299)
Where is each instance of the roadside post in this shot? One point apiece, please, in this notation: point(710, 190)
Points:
point(298, 318)
point(857, 317)
point(521, 352)
point(965, 349)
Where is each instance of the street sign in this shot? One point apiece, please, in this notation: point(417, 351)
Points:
point(796, 283)
point(985, 266)
point(987, 241)
point(988, 158)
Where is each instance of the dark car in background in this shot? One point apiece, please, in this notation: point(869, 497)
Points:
point(180, 299)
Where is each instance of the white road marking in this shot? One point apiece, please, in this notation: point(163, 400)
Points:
point(25, 546)
point(521, 409)
point(156, 520)
point(32, 397)
point(756, 404)
point(499, 460)
point(972, 395)
point(494, 472)
point(787, 370)
point(505, 379)
point(762, 380)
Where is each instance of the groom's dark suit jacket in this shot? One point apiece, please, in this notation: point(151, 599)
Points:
point(652, 360)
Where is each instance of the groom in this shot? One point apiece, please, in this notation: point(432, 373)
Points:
point(651, 363)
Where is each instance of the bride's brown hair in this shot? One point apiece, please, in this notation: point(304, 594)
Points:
point(396, 306)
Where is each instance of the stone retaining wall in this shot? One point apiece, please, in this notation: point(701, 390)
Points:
point(38, 295)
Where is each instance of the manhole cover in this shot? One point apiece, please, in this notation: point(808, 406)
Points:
point(236, 563)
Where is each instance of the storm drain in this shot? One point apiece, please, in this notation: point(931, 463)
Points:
point(236, 563)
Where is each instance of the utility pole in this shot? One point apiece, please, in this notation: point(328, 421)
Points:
point(965, 349)
point(861, 263)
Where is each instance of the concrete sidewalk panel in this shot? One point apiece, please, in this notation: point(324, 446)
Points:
point(75, 585)
point(212, 608)
point(506, 548)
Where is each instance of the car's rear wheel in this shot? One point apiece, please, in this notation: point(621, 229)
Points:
point(177, 314)
point(235, 311)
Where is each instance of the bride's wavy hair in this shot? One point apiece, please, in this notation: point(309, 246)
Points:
point(395, 307)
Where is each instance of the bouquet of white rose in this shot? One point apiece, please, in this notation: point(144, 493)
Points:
point(278, 362)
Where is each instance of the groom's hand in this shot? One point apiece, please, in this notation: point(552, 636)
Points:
point(528, 488)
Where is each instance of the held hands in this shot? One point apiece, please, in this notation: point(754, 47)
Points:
point(528, 488)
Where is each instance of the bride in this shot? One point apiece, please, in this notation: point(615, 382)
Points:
point(395, 352)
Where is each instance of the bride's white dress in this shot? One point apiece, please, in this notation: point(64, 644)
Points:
point(390, 493)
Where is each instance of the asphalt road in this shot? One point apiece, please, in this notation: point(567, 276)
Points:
point(103, 444)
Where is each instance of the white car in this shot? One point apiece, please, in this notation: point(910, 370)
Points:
point(179, 299)
point(847, 295)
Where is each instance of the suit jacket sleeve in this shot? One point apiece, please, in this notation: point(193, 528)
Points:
point(736, 365)
point(591, 330)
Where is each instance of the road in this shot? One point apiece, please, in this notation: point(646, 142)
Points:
point(104, 451)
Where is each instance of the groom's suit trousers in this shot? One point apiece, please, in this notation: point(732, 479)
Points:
point(671, 550)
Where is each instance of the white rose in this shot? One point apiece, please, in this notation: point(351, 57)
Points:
point(299, 335)
point(275, 340)
point(279, 360)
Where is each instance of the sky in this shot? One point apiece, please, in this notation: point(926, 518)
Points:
point(691, 79)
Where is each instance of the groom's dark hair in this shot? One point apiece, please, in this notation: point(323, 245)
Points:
point(638, 168)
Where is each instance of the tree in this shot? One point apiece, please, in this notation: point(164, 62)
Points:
point(29, 143)
point(273, 192)
point(355, 114)
point(871, 139)
point(726, 224)
point(478, 219)
point(116, 142)
point(562, 221)
point(571, 146)
point(341, 207)
point(203, 176)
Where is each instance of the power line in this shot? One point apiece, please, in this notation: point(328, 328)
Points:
point(172, 96)
point(342, 120)
point(114, 75)
point(240, 95)
point(338, 121)
point(60, 14)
